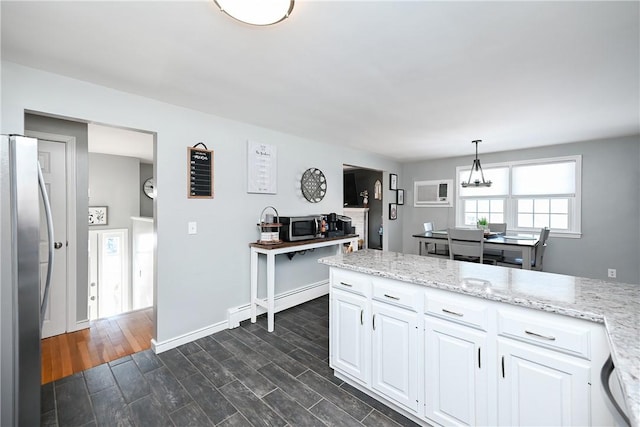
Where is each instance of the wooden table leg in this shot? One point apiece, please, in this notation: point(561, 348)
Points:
point(254, 284)
point(271, 283)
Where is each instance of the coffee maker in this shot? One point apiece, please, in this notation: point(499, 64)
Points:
point(337, 225)
point(332, 226)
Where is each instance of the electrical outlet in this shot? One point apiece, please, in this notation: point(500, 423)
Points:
point(611, 273)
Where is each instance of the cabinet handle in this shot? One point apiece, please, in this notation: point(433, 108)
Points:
point(362, 316)
point(374, 322)
point(346, 284)
point(502, 366)
point(452, 312)
point(479, 359)
point(540, 336)
point(391, 296)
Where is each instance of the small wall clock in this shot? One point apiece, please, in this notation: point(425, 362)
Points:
point(149, 188)
point(313, 185)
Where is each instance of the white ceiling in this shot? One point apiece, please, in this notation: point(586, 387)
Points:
point(406, 79)
point(120, 142)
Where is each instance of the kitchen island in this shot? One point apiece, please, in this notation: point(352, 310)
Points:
point(511, 324)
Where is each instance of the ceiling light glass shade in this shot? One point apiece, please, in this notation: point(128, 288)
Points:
point(476, 177)
point(257, 12)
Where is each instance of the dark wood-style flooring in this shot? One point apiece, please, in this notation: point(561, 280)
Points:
point(240, 377)
point(106, 340)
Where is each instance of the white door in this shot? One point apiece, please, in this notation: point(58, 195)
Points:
point(52, 158)
point(539, 387)
point(456, 374)
point(395, 355)
point(349, 338)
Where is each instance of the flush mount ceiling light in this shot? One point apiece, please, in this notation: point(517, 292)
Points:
point(476, 177)
point(257, 12)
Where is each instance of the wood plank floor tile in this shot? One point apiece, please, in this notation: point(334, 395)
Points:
point(105, 340)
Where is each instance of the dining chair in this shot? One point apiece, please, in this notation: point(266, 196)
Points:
point(495, 254)
point(466, 244)
point(536, 262)
point(428, 226)
point(497, 227)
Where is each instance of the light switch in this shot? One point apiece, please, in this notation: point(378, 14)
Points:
point(193, 227)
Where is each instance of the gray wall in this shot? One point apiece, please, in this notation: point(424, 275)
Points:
point(146, 204)
point(200, 276)
point(114, 182)
point(610, 206)
point(79, 131)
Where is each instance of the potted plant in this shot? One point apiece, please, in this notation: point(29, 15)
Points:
point(483, 223)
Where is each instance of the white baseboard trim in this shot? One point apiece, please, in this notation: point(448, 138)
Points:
point(81, 324)
point(282, 302)
point(238, 314)
point(159, 347)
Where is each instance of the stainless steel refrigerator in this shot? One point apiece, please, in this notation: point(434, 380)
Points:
point(22, 302)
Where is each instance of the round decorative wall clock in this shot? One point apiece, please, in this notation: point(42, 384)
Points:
point(313, 185)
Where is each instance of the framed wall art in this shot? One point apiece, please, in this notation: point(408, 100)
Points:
point(393, 211)
point(400, 196)
point(199, 172)
point(98, 215)
point(262, 164)
point(393, 181)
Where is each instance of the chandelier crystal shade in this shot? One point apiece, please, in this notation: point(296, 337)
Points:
point(476, 176)
point(257, 12)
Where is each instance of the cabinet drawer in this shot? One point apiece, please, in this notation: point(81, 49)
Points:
point(559, 333)
point(458, 309)
point(350, 281)
point(396, 293)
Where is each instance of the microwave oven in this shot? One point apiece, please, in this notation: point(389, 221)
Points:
point(296, 228)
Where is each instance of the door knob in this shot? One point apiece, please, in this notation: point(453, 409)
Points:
point(57, 245)
point(93, 298)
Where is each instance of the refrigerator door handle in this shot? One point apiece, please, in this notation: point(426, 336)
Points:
point(47, 211)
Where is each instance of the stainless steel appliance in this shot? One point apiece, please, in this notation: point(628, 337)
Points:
point(22, 307)
point(338, 225)
point(295, 228)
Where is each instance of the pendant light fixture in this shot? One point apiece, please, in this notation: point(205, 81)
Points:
point(476, 177)
point(257, 12)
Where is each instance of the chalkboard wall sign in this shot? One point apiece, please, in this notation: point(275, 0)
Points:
point(200, 172)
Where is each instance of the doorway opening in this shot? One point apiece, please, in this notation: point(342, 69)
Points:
point(106, 283)
point(362, 197)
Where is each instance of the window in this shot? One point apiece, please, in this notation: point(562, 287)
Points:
point(527, 195)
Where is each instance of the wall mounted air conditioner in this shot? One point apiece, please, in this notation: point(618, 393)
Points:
point(433, 194)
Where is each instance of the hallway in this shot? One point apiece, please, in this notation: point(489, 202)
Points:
point(106, 340)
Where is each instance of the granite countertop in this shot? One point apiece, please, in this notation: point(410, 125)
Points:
point(617, 305)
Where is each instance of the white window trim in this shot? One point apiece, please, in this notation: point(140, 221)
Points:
point(510, 213)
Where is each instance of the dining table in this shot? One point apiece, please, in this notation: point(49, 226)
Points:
point(521, 243)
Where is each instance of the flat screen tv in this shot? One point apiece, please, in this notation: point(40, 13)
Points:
point(350, 191)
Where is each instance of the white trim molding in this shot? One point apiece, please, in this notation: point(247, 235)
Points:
point(235, 315)
point(282, 302)
point(162, 346)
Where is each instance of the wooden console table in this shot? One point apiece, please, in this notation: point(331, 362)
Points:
point(271, 250)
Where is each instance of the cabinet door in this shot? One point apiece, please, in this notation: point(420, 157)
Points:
point(394, 355)
point(456, 374)
point(349, 339)
point(541, 387)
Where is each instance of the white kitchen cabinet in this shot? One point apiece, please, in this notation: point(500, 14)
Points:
point(456, 374)
point(443, 358)
point(350, 336)
point(541, 387)
point(394, 354)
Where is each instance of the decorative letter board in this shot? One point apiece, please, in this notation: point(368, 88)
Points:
point(200, 175)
